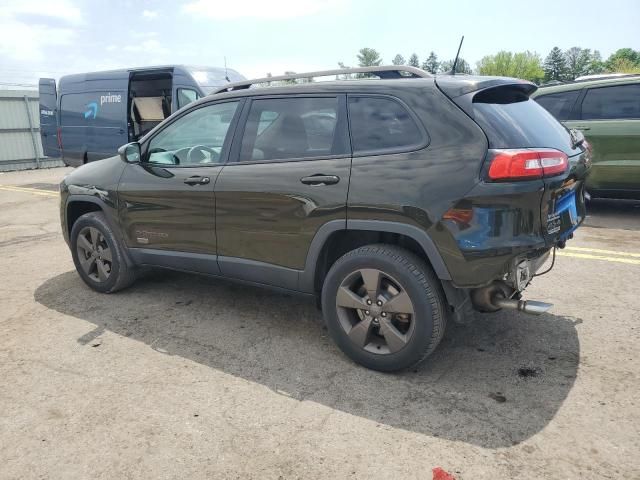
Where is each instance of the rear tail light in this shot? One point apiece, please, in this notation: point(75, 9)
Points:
point(526, 164)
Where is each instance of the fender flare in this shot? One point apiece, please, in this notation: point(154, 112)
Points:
point(106, 208)
point(307, 277)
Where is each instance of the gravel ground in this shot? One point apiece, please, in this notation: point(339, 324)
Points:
point(188, 377)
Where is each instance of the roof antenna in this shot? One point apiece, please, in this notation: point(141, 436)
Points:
point(226, 74)
point(455, 62)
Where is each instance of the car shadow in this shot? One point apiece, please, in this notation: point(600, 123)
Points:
point(610, 213)
point(494, 383)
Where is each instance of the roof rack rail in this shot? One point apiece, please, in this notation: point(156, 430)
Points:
point(385, 72)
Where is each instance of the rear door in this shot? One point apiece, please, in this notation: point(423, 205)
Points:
point(48, 117)
point(288, 175)
point(610, 120)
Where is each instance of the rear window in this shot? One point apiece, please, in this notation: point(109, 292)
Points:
point(511, 120)
point(559, 104)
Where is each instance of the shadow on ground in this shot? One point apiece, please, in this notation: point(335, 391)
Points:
point(493, 384)
point(607, 213)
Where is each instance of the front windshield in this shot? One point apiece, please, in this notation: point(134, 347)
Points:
point(211, 78)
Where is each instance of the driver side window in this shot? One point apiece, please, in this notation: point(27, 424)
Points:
point(195, 139)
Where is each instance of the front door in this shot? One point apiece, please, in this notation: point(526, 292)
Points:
point(287, 176)
point(166, 203)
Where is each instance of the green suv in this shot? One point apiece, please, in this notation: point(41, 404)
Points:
point(607, 111)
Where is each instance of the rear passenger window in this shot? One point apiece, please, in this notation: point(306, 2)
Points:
point(559, 104)
point(380, 124)
point(288, 128)
point(622, 101)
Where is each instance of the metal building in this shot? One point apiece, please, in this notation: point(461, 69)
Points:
point(20, 145)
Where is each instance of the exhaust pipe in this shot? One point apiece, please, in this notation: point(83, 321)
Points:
point(532, 307)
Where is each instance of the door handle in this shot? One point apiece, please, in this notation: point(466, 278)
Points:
point(582, 127)
point(197, 180)
point(320, 179)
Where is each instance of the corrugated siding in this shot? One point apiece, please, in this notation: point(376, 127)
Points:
point(16, 144)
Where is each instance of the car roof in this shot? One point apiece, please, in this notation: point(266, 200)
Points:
point(579, 85)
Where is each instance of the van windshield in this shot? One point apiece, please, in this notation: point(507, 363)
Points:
point(211, 78)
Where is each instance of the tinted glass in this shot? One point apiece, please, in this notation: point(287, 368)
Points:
point(194, 139)
point(512, 120)
point(381, 124)
point(286, 128)
point(102, 109)
point(559, 104)
point(622, 101)
point(186, 96)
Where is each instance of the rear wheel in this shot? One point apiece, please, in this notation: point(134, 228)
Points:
point(383, 307)
point(97, 255)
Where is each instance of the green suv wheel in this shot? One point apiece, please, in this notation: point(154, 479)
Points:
point(383, 307)
point(97, 255)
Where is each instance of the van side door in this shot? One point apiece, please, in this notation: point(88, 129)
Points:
point(48, 117)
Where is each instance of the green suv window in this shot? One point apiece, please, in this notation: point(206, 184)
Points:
point(559, 104)
point(620, 101)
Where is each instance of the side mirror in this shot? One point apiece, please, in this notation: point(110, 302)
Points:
point(130, 152)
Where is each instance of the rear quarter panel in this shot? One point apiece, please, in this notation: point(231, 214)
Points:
point(418, 187)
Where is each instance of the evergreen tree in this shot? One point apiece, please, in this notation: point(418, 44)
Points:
point(369, 57)
point(398, 60)
point(555, 65)
point(431, 64)
point(414, 61)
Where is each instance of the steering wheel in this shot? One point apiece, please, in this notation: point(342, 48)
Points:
point(213, 155)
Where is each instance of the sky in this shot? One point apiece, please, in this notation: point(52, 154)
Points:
point(51, 38)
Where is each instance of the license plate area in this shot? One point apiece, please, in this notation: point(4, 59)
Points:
point(564, 220)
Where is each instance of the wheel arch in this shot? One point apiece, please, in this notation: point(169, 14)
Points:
point(337, 237)
point(78, 206)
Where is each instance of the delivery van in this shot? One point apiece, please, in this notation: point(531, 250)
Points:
point(87, 116)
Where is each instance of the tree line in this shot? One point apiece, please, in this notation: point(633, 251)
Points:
point(558, 65)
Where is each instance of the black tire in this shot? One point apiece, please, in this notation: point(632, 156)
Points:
point(120, 274)
point(415, 277)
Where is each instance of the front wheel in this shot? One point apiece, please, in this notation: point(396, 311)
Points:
point(383, 307)
point(97, 255)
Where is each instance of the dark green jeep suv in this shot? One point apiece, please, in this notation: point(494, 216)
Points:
point(398, 202)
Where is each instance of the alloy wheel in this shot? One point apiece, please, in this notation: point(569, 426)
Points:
point(375, 311)
point(94, 254)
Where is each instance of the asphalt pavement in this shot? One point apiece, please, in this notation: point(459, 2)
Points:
point(185, 376)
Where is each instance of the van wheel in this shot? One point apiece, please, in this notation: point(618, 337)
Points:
point(97, 255)
point(383, 307)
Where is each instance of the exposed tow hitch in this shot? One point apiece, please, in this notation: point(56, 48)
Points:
point(532, 307)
